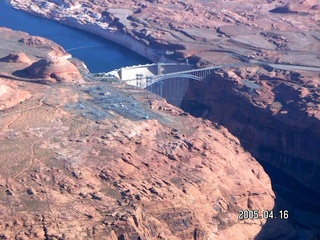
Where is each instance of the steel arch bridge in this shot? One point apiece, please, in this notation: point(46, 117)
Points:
point(197, 74)
point(171, 76)
point(154, 83)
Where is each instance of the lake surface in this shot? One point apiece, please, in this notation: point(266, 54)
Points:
point(99, 54)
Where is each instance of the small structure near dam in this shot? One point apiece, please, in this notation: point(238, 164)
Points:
point(142, 75)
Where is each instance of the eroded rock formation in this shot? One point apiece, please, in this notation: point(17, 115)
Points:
point(17, 58)
point(55, 69)
point(229, 32)
point(35, 59)
point(68, 172)
point(11, 94)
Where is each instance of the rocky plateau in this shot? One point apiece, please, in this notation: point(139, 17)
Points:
point(273, 45)
point(68, 175)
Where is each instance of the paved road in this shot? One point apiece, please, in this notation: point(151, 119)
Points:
point(290, 67)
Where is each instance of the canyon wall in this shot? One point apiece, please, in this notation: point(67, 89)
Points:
point(288, 139)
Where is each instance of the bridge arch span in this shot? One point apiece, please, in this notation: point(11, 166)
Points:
point(167, 77)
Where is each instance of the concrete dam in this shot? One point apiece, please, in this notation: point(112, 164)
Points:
point(168, 80)
point(153, 78)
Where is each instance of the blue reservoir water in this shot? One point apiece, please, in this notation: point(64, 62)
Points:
point(98, 54)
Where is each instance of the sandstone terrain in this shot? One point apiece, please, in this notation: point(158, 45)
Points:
point(79, 160)
point(206, 32)
point(267, 93)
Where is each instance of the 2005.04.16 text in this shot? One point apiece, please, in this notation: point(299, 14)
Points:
point(266, 214)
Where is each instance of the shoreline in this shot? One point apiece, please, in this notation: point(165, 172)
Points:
point(122, 39)
point(162, 49)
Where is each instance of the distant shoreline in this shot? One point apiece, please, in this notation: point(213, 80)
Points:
point(117, 37)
